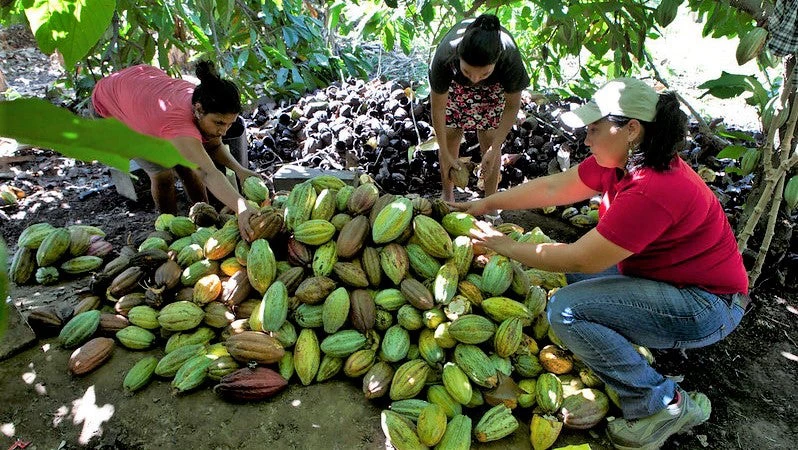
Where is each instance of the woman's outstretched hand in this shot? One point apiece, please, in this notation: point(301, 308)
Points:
point(475, 208)
point(484, 234)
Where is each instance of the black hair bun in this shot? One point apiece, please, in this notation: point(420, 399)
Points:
point(206, 72)
point(487, 22)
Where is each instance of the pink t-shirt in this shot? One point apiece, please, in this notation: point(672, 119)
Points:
point(672, 222)
point(149, 101)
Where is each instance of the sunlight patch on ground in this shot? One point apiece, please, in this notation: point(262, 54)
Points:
point(29, 377)
point(86, 411)
point(59, 415)
point(8, 429)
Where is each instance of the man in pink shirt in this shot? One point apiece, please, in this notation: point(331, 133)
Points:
point(661, 269)
point(194, 118)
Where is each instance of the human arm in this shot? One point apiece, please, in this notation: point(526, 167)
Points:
point(438, 107)
point(592, 253)
point(220, 154)
point(512, 103)
point(192, 149)
point(562, 188)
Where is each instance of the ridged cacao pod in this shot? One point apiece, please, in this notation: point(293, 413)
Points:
point(90, 355)
point(250, 384)
point(352, 237)
point(254, 346)
point(53, 247)
point(23, 265)
point(203, 214)
point(362, 310)
point(751, 44)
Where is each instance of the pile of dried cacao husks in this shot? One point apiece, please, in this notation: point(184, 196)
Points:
point(342, 281)
point(379, 128)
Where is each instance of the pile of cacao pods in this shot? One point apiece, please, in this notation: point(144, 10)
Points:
point(341, 280)
point(45, 252)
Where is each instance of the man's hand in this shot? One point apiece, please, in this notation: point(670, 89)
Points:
point(484, 234)
point(243, 174)
point(244, 216)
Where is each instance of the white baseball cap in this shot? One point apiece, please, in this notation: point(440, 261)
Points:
point(627, 97)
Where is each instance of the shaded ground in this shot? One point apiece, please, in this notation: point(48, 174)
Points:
point(749, 377)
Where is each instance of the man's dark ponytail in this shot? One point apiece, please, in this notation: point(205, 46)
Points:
point(213, 93)
point(481, 45)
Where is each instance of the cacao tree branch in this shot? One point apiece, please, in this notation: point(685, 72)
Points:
point(703, 127)
point(771, 175)
point(477, 4)
point(758, 9)
point(769, 231)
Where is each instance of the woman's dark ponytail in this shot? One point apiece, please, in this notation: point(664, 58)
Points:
point(663, 138)
point(214, 94)
point(481, 45)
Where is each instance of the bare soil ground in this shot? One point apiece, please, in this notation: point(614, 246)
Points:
point(750, 376)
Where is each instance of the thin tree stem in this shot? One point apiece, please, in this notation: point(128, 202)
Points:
point(769, 232)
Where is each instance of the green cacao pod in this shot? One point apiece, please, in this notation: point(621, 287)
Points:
point(299, 205)
point(81, 264)
point(255, 189)
point(392, 221)
point(750, 160)
point(457, 435)
point(495, 424)
point(751, 44)
point(343, 343)
point(431, 425)
point(432, 237)
point(180, 316)
point(791, 192)
point(456, 383)
point(168, 365)
point(409, 379)
point(23, 265)
point(548, 392)
point(79, 329)
point(585, 409)
point(261, 265)
point(33, 236)
point(53, 247)
point(400, 432)
point(135, 338)
point(314, 232)
point(335, 310)
point(140, 374)
point(307, 356)
point(497, 275)
point(472, 329)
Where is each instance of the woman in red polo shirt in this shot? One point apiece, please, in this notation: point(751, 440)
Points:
point(194, 118)
point(664, 267)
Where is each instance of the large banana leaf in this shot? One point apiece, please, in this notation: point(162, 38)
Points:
point(40, 123)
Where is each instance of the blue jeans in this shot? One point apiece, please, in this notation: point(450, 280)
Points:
point(600, 316)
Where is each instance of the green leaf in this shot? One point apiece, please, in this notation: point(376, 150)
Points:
point(732, 152)
point(37, 122)
point(736, 135)
point(72, 27)
point(726, 86)
point(391, 3)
